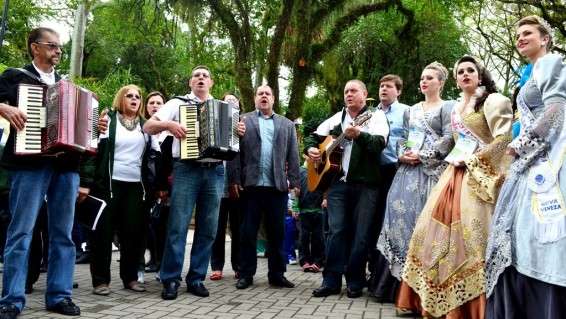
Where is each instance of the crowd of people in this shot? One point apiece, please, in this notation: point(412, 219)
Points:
point(451, 214)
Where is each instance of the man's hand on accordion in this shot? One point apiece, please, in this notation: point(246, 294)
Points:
point(241, 130)
point(15, 116)
point(176, 129)
point(103, 122)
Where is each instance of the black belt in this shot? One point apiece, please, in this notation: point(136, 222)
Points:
point(200, 164)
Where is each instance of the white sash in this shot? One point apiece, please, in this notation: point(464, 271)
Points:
point(547, 200)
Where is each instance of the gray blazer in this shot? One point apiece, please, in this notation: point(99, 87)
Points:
point(245, 166)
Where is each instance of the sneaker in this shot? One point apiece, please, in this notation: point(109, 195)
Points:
point(292, 260)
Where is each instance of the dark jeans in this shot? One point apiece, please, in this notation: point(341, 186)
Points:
point(39, 247)
point(229, 210)
point(311, 249)
point(272, 204)
point(4, 221)
point(351, 214)
point(125, 215)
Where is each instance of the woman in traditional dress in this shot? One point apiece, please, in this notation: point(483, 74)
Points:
point(445, 261)
point(526, 252)
point(427, 139)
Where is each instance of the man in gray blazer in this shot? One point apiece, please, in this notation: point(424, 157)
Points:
point(266, 168)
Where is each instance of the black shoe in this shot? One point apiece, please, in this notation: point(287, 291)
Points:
point(281, 282)
point(151, 268)
point(198, 289)
point(325, 291)
point(9, 312)
point(65, 307)
point(169, 291)
point(353, 293)
point(83, 258)
point(244, 283)
point(29, 289)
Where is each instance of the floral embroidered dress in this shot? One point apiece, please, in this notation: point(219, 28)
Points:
point(412, 183)
point(529, 222)
point(445, 261)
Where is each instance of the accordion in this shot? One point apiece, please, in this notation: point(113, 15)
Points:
point(60, 117)
point(211, 130)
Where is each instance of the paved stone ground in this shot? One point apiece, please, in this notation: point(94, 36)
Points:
point(225, 301)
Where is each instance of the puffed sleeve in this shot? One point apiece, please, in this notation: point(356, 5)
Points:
point(488, 165)
point(549, 75)
point(434, 157)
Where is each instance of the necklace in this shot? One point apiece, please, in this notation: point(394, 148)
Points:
point(129, 124)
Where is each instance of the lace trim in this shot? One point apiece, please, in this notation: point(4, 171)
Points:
point(438, 300)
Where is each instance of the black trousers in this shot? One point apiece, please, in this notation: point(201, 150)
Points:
point(311, 249)
point(157, 231)
point(229, 210)
point(387, 174)
point(271, 204)
point(125, 215)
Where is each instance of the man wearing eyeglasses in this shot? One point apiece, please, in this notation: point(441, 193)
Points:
point(195, 183)
point(35, 179)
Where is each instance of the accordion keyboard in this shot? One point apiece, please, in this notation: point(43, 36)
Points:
point(30, 101)
point(188, 118)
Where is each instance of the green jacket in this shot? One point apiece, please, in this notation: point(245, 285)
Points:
point(98, 174)
point(364, 159)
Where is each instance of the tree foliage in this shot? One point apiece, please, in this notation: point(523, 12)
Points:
point(23, 15)
point(393, 42)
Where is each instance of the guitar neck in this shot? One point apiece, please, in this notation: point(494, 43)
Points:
point(336, 142)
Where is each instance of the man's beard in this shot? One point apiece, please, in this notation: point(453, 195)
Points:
point(54, 60)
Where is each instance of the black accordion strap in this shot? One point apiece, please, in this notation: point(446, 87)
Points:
point(186, 100)
point(31, 75)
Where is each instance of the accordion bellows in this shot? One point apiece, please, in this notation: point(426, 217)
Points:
point(211, 130)
point(61, 117)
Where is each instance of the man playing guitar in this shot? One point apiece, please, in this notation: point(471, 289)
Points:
point(353, 193)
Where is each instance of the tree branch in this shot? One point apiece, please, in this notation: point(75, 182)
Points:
point(344, 23)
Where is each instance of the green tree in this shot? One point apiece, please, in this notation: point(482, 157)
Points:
point(393, 42)
point(23, 16)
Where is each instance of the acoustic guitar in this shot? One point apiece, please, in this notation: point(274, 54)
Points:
point(321, 173)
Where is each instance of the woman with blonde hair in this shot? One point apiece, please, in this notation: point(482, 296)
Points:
point(526, 251)
point(445, 261)
point(121, 178)
point(426, 140)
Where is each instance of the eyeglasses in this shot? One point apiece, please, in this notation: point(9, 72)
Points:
point(131, 96)
point(52, 46)
point(199, 74)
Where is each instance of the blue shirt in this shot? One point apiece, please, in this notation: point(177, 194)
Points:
point(266, 133)
point(394, 116)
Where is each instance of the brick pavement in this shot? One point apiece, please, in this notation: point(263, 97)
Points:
point(225, 301)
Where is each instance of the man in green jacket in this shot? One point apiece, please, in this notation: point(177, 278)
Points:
point(352, 196)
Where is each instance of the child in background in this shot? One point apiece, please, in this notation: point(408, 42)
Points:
point(311, 248)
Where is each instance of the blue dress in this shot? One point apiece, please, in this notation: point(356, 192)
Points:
point(526, 252)
point(409, 191)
